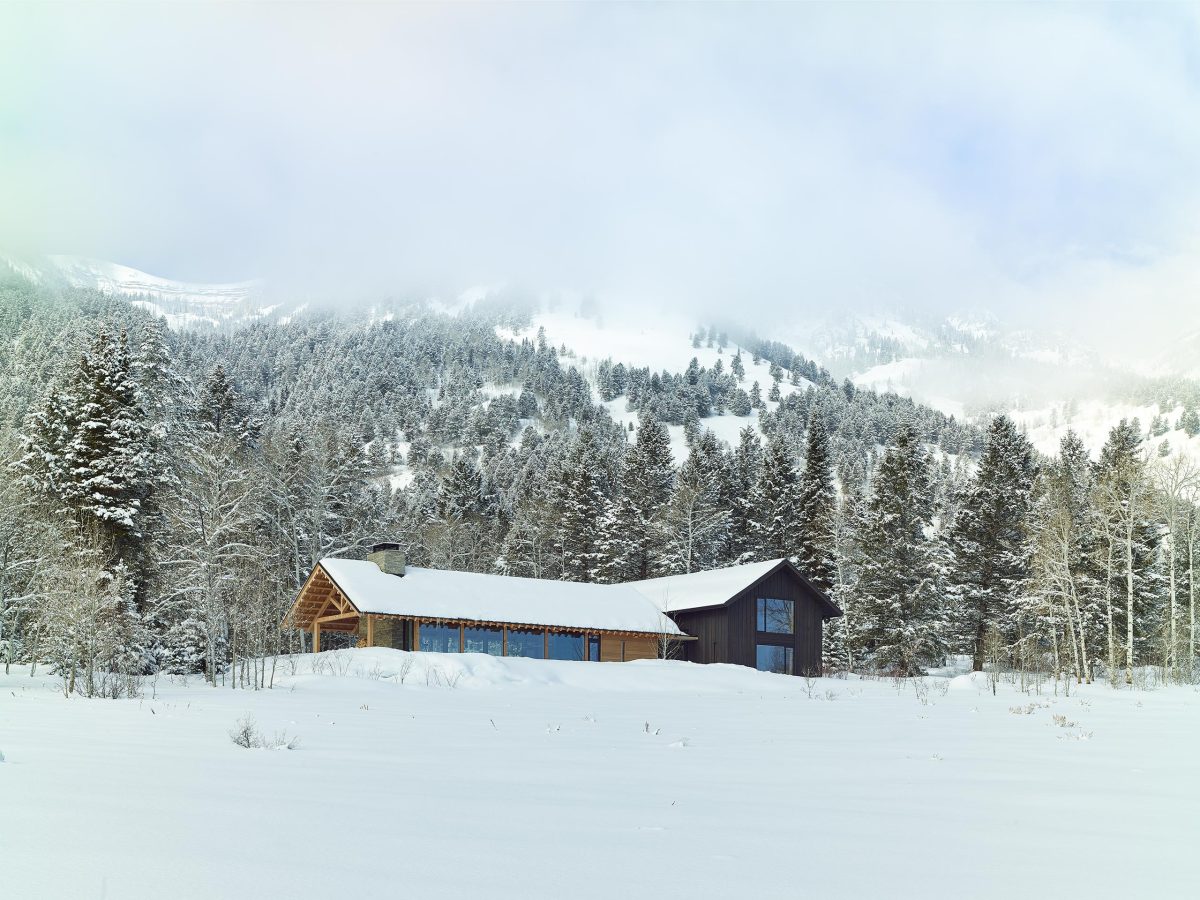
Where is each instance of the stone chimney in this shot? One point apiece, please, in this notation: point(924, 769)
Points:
point(389, 558)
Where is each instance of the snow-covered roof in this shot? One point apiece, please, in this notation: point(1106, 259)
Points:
point(475, 597)
point(673, 593)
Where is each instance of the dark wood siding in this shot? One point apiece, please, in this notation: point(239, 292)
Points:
point(729, 633)
point(709, 629)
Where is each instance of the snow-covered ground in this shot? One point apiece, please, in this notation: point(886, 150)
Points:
point(458, 776)
point(899, 377)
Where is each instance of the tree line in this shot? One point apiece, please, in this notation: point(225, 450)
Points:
point(166, 494)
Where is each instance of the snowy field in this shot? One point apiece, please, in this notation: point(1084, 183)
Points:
point(457, 776)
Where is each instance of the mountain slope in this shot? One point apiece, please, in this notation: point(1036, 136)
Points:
point(181, 304)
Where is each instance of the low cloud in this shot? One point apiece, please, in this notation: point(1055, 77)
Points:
point(774, 159)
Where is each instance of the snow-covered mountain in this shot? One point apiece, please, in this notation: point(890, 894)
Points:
point(972, 366)
point(966, 365)
point(181, 304)
point(963, 365)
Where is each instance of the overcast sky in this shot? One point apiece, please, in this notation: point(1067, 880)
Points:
point(776, 157)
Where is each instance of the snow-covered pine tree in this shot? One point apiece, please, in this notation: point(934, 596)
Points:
point(745, 468)
point(991, 540)
point(777, 514)
point(815, 554)
point(619, 548)
point(89, 448)
point(899, 622)
point(580, 503)
point(647, 479)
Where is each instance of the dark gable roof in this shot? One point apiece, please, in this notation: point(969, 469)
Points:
point(715, 588)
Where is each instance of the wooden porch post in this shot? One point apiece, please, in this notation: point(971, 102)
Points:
point(370, 630)
point(316, 637)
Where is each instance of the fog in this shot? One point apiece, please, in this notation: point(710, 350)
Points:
point(1040, 161)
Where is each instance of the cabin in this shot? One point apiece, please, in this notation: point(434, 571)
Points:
point(765, 615)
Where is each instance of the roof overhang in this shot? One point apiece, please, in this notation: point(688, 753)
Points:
point(322, 601)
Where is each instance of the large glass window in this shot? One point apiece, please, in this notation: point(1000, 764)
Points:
point(775, 616)
point(484, 640)
point(526, 643)
point(774, 658)
point(564, 645)
point(439, 638)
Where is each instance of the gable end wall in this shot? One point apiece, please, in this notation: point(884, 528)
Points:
point(729, 634)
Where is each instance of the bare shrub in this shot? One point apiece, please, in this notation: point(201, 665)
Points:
point(248, 737)
point(246, 734)
point(921, 689)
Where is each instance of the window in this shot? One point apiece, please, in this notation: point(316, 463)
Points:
point(593, 647)
point(775, 616)
point(526, 643)
point(774, 658)
point(439, 638)
point(484, 640)
point(565, 645)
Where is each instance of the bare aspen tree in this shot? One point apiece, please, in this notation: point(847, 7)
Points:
point(1174, 480)
point(1056, 540)
point(1125, 497)
point(1110, 551)
point(1192, 534)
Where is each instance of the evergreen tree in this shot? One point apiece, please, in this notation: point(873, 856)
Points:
point(816, 509)
point(90, 448)
point(619, 549)
point(745, 469)
point(777, 513)
point(898, 621)
point(992, 541)
point(581, 504)
point(647, 480)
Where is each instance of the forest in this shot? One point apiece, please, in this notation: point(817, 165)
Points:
point(165, 493)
